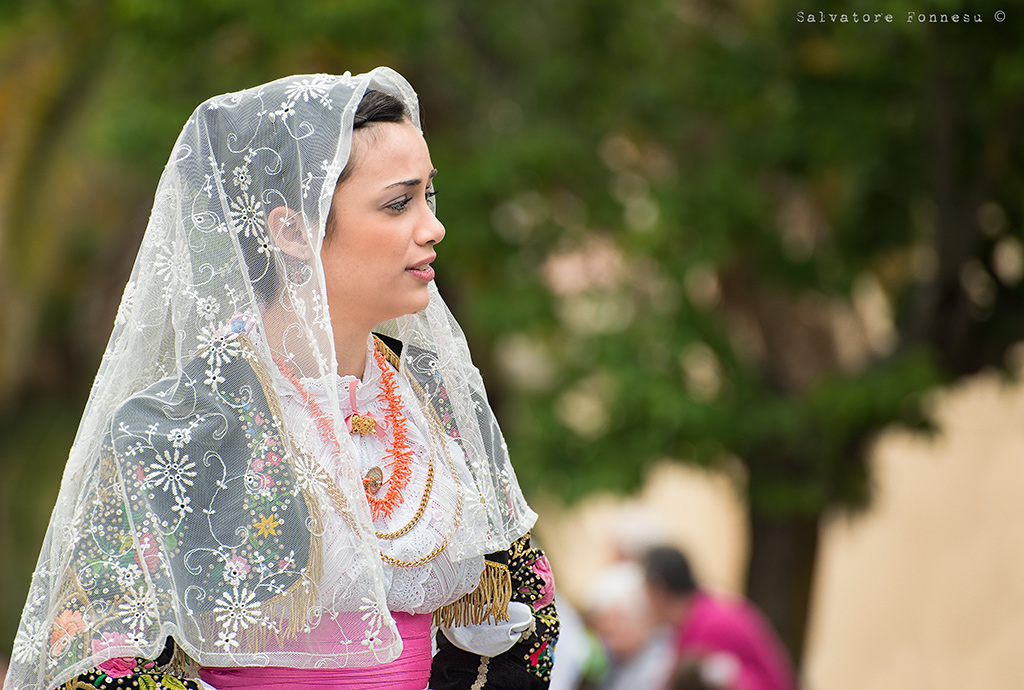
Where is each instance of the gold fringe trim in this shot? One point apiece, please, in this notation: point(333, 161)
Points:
point(490, 598)
point(388, 353)
point(303, 595)
point(295, 604)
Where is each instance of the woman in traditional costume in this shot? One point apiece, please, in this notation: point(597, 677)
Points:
point(287, 473)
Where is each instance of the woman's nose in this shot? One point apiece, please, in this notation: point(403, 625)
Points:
point(431, 230)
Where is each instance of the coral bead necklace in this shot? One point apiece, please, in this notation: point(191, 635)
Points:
point(398, 455)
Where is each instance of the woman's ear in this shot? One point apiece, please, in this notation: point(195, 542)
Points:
point(289, 232)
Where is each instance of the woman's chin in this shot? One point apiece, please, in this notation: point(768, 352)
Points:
point(411, 307)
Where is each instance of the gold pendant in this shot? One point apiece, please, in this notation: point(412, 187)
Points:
point(363, 425)
point(373, 480)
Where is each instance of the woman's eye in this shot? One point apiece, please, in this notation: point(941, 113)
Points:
point(398, 205)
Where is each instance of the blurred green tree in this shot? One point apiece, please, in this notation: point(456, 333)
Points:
point(708, 231)
point(723, 233)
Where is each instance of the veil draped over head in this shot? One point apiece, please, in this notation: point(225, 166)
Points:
point(188, 507)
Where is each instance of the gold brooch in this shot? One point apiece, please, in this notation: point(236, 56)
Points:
point(363, 425)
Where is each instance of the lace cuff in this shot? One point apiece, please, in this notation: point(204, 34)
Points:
point(492, 637)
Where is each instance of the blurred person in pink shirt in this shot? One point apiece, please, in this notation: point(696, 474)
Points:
point(727, 636)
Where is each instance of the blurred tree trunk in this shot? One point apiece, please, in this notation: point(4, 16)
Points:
point(780, 573)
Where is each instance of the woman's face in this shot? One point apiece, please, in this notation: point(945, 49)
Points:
point(377, 256)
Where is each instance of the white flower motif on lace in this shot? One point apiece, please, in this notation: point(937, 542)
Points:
point(172, 471)
point(29, 640)
point(213, 378)
point(260, 561)
point(286, 110)
point(226, 640)
point(127, 302)
point(371, 639)
point(247, 214)
point(221, 348)
point(305, 472)
point(182, 505)
point(172, 266)
point(208, 307)
point(127, 575)
point(241, 177)
point(138, 610)
point(236, 569)
point(179, 437)
point(265, 247)
point(135, 637)
point(237, 609)
point(317, 88)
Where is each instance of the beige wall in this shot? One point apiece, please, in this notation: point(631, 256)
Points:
point(926, 590)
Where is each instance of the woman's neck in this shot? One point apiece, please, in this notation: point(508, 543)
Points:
point(350, 348)
point(349, 343)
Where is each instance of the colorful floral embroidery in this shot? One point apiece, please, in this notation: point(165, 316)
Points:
point(65, 629)
point(130, 673)
point(267, 526)
point(533, 584)
point(542, 569)
point(119, 667)
point(149, 525)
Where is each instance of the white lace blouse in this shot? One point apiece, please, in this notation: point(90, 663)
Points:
point(421, 588)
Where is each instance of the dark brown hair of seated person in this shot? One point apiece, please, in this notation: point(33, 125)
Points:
point(668, 568)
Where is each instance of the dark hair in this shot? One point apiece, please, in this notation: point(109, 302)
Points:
point(375, 107)
point(667, 567)
point(378, 106)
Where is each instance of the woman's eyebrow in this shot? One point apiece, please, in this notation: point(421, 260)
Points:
point(412, 183)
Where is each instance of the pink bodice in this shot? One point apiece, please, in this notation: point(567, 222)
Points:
point(410, 671)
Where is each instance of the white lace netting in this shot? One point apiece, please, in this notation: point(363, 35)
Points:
point(197, 502)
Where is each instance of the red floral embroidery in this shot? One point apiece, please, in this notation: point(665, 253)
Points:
point(119, 666)
point(542, 569)
point(147, 555)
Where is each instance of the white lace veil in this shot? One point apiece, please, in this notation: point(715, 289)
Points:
point(186, 507)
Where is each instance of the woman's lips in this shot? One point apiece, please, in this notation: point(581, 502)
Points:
point(424, 272)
